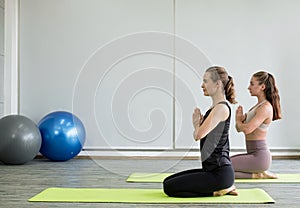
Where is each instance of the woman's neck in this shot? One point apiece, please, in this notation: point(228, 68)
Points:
point(216, 99)
point(261, 99)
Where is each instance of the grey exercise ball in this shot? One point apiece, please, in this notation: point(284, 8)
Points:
point(20, 139)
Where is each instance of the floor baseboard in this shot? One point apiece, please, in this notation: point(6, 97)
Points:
point(168, 154)
point(174, 154)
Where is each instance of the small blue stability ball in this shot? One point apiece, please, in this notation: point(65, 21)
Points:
point(20, 139)
point(63, 135)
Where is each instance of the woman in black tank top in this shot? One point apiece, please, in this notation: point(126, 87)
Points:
point(216, 177)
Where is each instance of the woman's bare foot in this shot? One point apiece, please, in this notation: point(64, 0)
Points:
point(264, 175)
point(270, 175)
point(228, 191)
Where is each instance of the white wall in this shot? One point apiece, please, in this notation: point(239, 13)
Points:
point(98, 61)
point(11, 58)
point(1, 56)
point(86, 61)
point(245, 37)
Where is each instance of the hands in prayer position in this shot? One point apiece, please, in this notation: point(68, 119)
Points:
point(197, 118)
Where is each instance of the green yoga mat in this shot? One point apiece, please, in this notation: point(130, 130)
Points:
point(148, 196)
point(159, 177)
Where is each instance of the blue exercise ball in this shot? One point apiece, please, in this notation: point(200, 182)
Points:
point(20, 139)
point(63, 135)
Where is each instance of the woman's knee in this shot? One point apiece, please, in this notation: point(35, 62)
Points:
point(166, 188)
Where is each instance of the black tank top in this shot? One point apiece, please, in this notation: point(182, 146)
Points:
point(214, 146)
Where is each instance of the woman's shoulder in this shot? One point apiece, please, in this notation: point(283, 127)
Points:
point(266, 107)
point(221, 110)
point(222, 106)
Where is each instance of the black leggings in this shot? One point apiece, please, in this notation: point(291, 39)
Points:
point(198, 182)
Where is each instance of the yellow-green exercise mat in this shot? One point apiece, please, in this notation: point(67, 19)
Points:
point(159, 177)
point(148, 196)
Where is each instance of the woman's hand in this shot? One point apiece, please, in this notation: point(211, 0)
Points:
point(239, 115)
point(197, 118)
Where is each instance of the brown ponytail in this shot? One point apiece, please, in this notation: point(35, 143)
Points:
point(230, 91)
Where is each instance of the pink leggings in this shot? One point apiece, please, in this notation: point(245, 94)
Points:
point(257, 159)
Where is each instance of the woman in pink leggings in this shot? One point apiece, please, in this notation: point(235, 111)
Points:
point(254, 124)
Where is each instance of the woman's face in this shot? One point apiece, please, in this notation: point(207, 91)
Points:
point(208, 86)
point(255, 88)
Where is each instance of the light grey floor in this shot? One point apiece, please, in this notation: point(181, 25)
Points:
point(19, 183)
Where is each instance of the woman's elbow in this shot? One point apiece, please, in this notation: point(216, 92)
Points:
point(200, 136)
point(243, 128)
point(247, 130)
point(237, 128)
point(197, 137)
